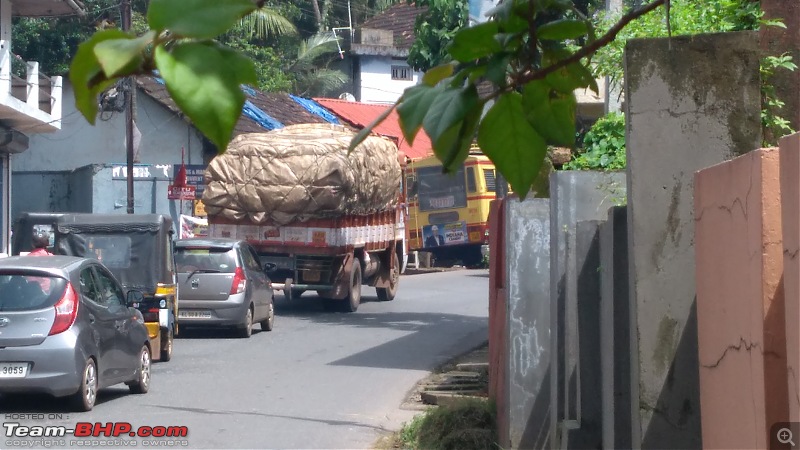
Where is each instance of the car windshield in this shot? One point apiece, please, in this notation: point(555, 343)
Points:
point(205, 259)
point(21, 292)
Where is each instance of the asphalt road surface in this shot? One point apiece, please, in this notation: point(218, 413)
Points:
point(319, 380)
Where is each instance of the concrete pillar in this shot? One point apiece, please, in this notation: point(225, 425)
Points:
point(498, 353)
point(528, 324)
point(691, 102)
point(776, 41)
point(740, 307)
point(790, 208)
point(615, 330)
point(575, 196)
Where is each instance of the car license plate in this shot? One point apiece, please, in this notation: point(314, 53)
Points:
point(13, 370)
point(311, 276)
point(194, 315)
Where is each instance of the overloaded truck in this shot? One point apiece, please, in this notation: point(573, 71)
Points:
point(320, 218)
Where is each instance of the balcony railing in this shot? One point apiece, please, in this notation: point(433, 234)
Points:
point(30, 104)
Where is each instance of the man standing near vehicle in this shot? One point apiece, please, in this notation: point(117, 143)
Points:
point(41, 240)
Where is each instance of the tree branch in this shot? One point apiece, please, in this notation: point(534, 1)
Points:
point(594, 46)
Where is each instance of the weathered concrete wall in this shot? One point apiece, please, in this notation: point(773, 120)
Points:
point(574, 197)
point(588, 433)
point(615, 330)
point(498, 335)
point(740, 307)
point(528, 274)
point(39, 192)
point(790, 193)
point(692, 102)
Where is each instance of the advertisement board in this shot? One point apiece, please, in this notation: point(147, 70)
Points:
point(438, 235)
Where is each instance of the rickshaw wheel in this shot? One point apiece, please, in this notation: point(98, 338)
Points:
point(166, 346)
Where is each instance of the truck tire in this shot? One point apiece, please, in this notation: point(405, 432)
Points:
point(353, 299)
point(387, 294)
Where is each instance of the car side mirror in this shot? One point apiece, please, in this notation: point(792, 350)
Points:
point(270, 267)
point(134, 298)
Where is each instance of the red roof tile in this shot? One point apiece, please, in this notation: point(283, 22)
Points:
point(362, 114)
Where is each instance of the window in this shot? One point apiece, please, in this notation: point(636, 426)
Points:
point(491, 185)
point(110, 293)
point(471, 187)
point(404, 73)
point(20, 292)
point(437, 190)
point(249, 259)
point(213, 259)
point(89, 287)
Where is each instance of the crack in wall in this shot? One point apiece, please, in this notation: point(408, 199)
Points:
point(738, 347)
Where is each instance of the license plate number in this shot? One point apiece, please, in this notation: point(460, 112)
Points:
point(13, 370)
point(194, 315)
point(311, 276)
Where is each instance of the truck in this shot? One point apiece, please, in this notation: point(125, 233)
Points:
point(320, 217)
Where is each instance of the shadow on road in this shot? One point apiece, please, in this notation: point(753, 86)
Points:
point(42, 403)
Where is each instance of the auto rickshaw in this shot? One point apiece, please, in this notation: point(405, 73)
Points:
point(136, 248)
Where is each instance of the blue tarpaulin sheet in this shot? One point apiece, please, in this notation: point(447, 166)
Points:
point(315, 108)
point(259, 116)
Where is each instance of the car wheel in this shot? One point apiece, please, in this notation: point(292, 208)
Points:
point(388, 294)
point(84, 399)
point(141, 384)
point(247, 329)
point(353, 299)
point(268, 323)
point(166, 346)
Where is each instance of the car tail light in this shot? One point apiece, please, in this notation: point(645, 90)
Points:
point(66, 311)
point(151, 315)
point(239, 282)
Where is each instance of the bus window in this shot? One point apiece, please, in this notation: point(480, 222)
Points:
point(488, 175)
point(441, 191)
point(471, 180)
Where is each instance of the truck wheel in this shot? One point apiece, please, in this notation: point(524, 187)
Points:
point(353, 299)
point(388, 294)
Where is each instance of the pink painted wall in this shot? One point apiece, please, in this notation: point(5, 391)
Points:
point(498, 347)
point(790, 193)
point(740, 306)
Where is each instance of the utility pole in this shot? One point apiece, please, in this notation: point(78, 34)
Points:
point(130, 98)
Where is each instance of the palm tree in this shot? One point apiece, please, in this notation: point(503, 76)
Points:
point(311, 73)
point(266, 21)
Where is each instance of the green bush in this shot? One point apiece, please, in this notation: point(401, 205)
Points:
point(603, 145)
point(467, 424)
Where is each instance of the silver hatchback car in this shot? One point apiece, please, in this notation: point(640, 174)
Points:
point(221, 283)
point(67, 329)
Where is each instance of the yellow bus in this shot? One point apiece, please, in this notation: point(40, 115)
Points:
point(448, 213)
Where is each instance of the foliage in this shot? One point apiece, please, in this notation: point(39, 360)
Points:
point(467, 424)
point(532, 58)
point(773, 124)
point(603, 145)
point(434, 30)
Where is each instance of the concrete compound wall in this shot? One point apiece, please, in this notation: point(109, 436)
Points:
point(527, 228)
point(740, 301)
point(575, 197)
point(790, 193)
point(498, 318)
point(683, 113)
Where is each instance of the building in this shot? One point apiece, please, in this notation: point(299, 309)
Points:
point(30, 102)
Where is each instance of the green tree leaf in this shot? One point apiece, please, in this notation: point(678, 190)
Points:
point(86, 75)
point(201, 19)
point(204, 79)
point(475, 42)
point(366, 131)
point(453, 146)
point(551, 113)
point(436, 74)
point(509, 140)
point(120, 57)
point(448, 108)
point(562, 29)
point(416, 102)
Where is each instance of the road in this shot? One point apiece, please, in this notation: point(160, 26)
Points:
point(319, 380)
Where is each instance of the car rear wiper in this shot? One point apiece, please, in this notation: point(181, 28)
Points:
point(196, 271)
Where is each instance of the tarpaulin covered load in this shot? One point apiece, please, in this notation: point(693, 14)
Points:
point(302, 172)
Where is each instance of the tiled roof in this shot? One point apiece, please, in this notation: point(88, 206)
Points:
point(399, 19)
point(279, 106)
point(362, 114)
